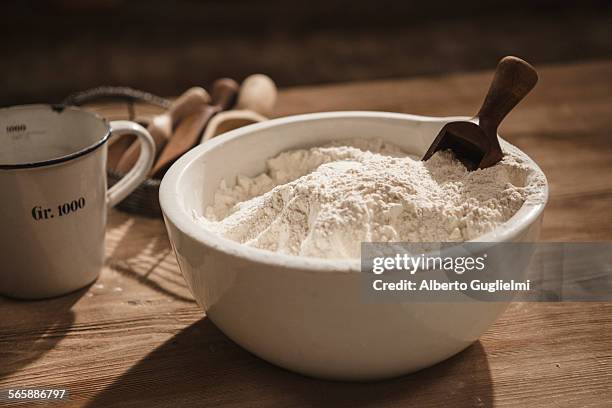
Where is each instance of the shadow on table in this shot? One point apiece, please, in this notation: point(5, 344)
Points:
point(21, 341)
point(201, 367)
point(130, 235)
point(139, 249)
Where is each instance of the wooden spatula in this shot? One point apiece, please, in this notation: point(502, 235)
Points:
point(475, 142)
point(162, 125)
point(187, 135)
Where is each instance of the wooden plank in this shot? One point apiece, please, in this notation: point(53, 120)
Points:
point(307, 43)
point(136, 338)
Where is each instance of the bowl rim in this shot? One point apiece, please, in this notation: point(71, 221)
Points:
point(182, 219)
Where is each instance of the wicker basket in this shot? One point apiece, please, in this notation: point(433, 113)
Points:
point(144, 200)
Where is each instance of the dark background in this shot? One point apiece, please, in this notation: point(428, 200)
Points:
point(52, 48)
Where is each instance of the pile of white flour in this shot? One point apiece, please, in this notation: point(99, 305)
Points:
point(324, 201)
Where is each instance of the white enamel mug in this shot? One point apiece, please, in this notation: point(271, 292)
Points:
point(54, 198)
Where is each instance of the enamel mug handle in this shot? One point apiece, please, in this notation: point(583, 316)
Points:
point(138, 173)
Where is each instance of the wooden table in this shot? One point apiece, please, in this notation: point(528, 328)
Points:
point(136, 338)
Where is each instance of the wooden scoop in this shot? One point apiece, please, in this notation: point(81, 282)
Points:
point(229, 120)
point(162, 125)
point(256, 99)
point(475, 142)
point(188, 133)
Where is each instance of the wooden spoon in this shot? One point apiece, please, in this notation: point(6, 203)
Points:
point(187, 134)
point(257, 93)
point(475, 142)
point(162, 125)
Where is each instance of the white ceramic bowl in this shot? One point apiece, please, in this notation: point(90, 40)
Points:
point(306, 314)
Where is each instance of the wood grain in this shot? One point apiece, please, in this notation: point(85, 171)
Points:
point(136, 338)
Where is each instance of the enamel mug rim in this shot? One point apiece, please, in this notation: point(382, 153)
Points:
point(67, 157)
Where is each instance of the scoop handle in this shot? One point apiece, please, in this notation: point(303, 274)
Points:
point(513, 80)
point(224, 93)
